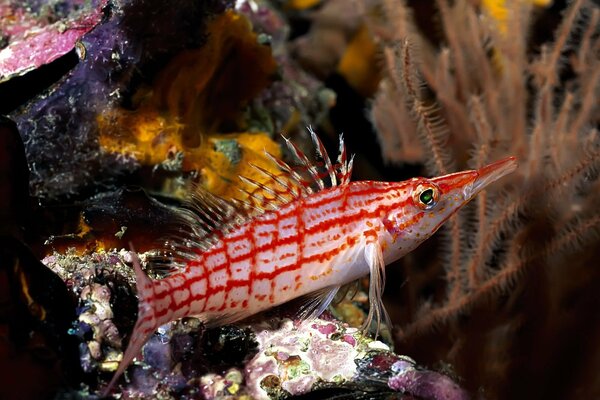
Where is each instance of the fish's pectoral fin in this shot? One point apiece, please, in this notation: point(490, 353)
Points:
point(377, 312)
point(315, 303)
point(347, 291)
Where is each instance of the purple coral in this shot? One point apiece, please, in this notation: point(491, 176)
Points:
point(424, 384)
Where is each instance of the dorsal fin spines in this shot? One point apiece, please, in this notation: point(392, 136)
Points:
point(344, 167)
point(348, 174)
point(322, 153)
point(266, 189)
point(211, 211)
point(300, 156)
point(276, 178)
point(303, 185)
point(341, 160)
point(255, 202)
point(251, 207)
point(209, 214)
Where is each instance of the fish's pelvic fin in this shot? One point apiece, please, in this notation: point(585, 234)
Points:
point(315, 303)
point(377, 312)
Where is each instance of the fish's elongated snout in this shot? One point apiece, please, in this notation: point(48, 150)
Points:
point(474, 181)
point(492, 172)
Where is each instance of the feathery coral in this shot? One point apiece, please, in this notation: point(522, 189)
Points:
point(517, 252)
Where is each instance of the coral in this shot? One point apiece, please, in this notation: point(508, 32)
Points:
point(271, 356)
point(293, 358)
point(500, 11)
point(517, 262)
point(422, 383)
point(359, 64)
point(301, 4)
point(133, 41)
point(207, 88)
point(339, 42)
point(156, 86)
point(245, 150)
point(33, 36)
point(114, 220)
point(156, 141)
point(296, 99)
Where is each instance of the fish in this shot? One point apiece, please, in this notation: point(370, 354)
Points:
point(306, 234)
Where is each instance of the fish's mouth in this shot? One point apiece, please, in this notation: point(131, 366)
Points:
point(491, 173)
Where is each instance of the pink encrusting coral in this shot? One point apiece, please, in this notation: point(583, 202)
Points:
point(33, 41)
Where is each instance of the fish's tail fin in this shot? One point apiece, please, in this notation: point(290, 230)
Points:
point(145, 325)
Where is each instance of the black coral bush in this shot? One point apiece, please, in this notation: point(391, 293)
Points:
point(517, 315)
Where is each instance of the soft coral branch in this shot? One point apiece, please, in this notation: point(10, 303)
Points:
point(486, 93)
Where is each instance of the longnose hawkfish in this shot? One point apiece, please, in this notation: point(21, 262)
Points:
point(312, 232)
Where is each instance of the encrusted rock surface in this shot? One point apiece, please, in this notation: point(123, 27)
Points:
point(272, 356)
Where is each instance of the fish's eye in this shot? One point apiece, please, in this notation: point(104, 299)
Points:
point(426, 196)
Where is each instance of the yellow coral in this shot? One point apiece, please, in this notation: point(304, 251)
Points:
point(152, 139)
point(359, 63)
point(219, 172)
point(200, 91)
point(302, 4)
point(499, 10)
point(145, 135)
point(209, 86)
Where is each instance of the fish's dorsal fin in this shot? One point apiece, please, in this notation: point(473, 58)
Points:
point(323, 173)
point(301, 177)
point(205, 219)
